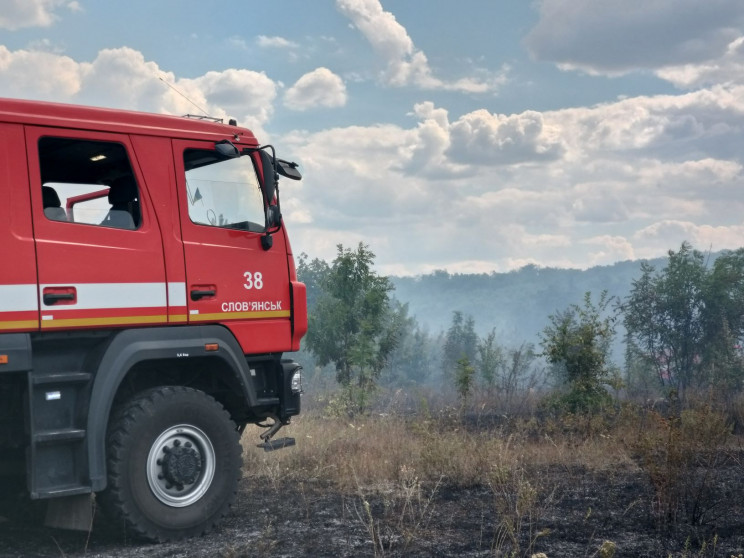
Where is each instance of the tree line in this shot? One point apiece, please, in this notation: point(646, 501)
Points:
point(683, 325)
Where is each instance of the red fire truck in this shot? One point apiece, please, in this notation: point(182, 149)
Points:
point(147, 294)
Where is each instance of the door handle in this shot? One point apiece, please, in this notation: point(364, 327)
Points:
point(59, 295)
point(198, 294)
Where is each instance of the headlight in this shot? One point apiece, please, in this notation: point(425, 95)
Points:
point(296, 383)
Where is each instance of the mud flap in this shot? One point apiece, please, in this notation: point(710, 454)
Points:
point(70, 512)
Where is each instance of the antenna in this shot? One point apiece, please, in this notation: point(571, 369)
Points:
point(184, 96)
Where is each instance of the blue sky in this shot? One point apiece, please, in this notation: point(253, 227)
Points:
point(470, 136)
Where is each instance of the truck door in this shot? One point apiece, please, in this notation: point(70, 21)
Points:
point(230, 278)
point(98, 246)
point(19, 303)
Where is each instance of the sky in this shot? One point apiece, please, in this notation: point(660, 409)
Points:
point(473, 136)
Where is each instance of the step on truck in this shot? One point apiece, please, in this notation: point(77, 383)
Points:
point(147, 294)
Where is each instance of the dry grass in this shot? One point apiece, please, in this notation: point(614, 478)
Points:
point(402, 459)
point(383, 449)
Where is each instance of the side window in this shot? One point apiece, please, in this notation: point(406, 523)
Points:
point(223, 192)
point(88, 182)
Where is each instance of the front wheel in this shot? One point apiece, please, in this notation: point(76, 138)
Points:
point(174, 462)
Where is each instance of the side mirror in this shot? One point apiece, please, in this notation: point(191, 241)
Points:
point(285, 168)
point(226, 149)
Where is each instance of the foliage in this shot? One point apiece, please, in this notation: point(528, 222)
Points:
point(464, 376)
point(313, 273)
point(415, 355)
point(352, 325)
point(517, 371)
point(576, 343)
point(686, 321)
point(490, 359)
point(460, 341)
point(723, 323)
point(663, 316)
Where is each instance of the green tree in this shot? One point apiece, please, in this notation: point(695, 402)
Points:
point(464, 378)
point(723, 323)
point(351, 325)
point(415, 354)
point(490, 360)
point(516, 370)
point(577, 343)
point(460, 341)
point(313, 274)
point(663, 316)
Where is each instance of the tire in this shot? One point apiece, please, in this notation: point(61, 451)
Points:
point(174, 462)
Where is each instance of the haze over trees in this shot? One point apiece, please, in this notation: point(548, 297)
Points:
point(642, 328)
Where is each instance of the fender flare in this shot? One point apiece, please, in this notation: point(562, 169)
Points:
point(129, 347)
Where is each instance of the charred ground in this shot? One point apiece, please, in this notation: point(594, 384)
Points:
point(453, 490)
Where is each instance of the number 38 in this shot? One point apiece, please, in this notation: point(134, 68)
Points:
point(253, 280)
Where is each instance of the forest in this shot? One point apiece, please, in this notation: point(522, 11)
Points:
point(673, 323)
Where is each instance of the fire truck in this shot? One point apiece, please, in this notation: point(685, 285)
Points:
point(148, 294)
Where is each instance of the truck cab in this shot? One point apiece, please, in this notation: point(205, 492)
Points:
point(148, 296)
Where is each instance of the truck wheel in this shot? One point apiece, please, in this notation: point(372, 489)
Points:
point(174, 461)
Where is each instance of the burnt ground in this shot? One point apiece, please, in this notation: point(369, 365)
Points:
point(315, 519)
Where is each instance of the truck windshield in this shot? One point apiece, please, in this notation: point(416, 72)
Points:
point(223, 192)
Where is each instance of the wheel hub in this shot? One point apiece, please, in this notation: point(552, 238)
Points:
point(181, 464)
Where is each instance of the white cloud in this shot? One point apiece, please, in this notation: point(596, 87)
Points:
point(476, 191)
point(21, 74)
point(608, 249)
point(494, 139)
point(405, 64)
point(573, 187)
point(244, 94)
point(16, 14)
point(728, 68)
point(659, 237)
point(275, 42)
point(612, 37)
point(319, 88)
point(122, 78)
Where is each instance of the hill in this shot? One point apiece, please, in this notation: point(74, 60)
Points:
point(517, 304)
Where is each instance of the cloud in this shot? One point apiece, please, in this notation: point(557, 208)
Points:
point(122, 78)
point(608, 249)
point(16, 14)
point(728, 68)
point(572, 187)
point(495, 139)
point(611, 37)
point(405, 64)
point(275, 42)
point(21, 74)
point(663, 235)
point(319, 88)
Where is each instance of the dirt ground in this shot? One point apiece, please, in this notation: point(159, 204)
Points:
point(309, 519)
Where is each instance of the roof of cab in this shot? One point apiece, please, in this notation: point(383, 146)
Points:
point(42, 113)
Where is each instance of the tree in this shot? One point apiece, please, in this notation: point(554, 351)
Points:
point(351, 325)
point(490, 359)
point(664, 318)
point(577, 344)
point(413, 358)
point(313, 274)
point(516, 368)
point(460, 341)
point(723, 323)
point(464, 376)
